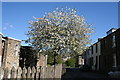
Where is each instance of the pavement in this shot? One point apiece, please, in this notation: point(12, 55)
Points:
point(77, 74)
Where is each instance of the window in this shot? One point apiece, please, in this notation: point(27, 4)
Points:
point(113, 41)
point(92, 49)
point(114, 60)
point(104, 43)
point(15, 65)
point(96, 47)
point(16, 50)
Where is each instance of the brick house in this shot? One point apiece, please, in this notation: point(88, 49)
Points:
point(104, 54)
point(9, 52)
point(110, 50)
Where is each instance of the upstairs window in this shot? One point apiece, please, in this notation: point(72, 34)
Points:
point(16, 50)
point(113, 41)
point(96, 47)
point(15, 65)
point(104, 44)
point(92, 49)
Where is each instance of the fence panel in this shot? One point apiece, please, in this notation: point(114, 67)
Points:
point(29, 73)
point(13, 73)
point(1, 73)
point(58, 71)
point(39, 73)
point(6, 74)
point(19, 73)
point(33, 72)
point(24, 71)
point(50, 72)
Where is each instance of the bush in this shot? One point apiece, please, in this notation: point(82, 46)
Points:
point(71, 62)
point(58, 59)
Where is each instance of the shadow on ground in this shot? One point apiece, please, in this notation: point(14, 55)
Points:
point(77, 74)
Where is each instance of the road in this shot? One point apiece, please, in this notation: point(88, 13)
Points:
point(76, 73)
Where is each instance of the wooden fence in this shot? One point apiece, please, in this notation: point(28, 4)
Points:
point(39, 73)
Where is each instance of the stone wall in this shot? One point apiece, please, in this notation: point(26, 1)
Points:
point(42, 60)
point(11, 53)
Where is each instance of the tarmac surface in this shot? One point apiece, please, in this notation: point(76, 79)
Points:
point(77, 74)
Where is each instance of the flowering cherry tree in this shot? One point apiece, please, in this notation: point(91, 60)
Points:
point(60, 31)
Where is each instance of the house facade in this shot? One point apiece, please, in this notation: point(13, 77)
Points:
point(92, 55)
point(110, 50)
point(104, 54)
point(9, 52)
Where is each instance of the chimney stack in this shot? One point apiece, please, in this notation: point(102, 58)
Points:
point(111, 30)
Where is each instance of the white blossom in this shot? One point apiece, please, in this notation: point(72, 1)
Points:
point(60, 30)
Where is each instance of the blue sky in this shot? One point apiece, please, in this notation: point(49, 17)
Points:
point(15, 16)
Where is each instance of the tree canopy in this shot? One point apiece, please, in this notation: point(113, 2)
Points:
point(60, 31)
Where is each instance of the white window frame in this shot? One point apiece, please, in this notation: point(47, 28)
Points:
point(15, 65)
point(113, 41)
point(16, 50)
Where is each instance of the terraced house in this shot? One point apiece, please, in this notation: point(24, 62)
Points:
point(92, 56)
point(9, 52)
point(110, 50)
point(104, 54)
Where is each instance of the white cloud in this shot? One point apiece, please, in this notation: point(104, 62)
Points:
point(4, 28)
point(7, 26)
point(11, 26)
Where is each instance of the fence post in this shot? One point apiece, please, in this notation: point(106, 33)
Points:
point(38, 73)
point(33, 72)
point(63, 69)
point(24, 71)
point(13, 73)
point(50, 72)
point(29, 73)
point(1, 73)
point(6, 73)
point(19, 72)
point(42, 73)
point(58, 71)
